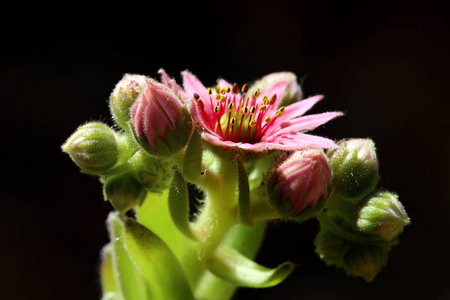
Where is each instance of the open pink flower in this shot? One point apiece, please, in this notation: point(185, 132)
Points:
point(233, 117)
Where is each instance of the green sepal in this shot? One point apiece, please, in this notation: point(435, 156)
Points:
point(244, 194)
point(179, 205)
point(157, 264)
point(230, 265)
point(192, 164)
point(131, 285)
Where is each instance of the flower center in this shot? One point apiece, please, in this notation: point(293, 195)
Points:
point(236, 116)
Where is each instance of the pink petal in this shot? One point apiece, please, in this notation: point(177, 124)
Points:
point(309, 122)
point(278, 88)
point(193, 85)
point(223, 83)
point(171, 83)
point(295, 141)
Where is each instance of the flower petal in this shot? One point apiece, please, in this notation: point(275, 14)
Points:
point(193, 85)
point(297, 140)
point(305, 123)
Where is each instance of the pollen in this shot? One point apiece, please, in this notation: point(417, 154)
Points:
point(262, 108)
point(265, 99)
point(252, 109)
point(223, 99)
point(209, 91)
point(230, 105)
point(267, 119)
point(245, 109)
point(216, 109)
point(256, 93)
point(252, 123)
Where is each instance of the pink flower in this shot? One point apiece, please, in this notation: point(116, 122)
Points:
point(232, 117)
point(299, 181)
point(158, 114)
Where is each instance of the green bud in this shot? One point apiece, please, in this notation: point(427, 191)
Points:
point(365, 260)
point(330, 247)
point(154, 174)
point(124, 192)
point(93, 147)
point(354, 168)
point(382, 214)
point(123, 97)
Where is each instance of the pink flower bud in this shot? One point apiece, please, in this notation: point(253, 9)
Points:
point(300, 182)
point(160, 125)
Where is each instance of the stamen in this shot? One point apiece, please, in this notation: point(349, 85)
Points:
point(218, 89)
point(217, 96)
point(216, 109)
point(252, 109)
point(196, 97)
point(235, 88)
point(245, 109)
point(252, 123)
point(230, 105)
point(228, 89)
point(245, 88)
point(272, 100)
point(200, 104)
point(267, 119)
point(262, 107)
point(232, 120)
point(209, 91)
point(265, 99)
point(256, 93)
point(223, 99)
point(223, 91)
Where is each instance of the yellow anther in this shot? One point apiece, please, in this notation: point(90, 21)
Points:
point(281, 109)
point(252, 123)
point(209, 91)
point(223, 99)
point(245, 109)
point(230, 105)
point(252, 109)
point(232, 121)
point(278, 113)
point(223, 90)
point(267, 119)
point(245, 88)
point(217, 96)
point(262, 107)
point(218, 89)
point(256, 93)
point(265, 99)
point(228, 89)
point(216, 109)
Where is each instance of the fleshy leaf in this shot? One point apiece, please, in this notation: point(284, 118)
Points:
point(192, 165)
point(234, 267)
point(244, 194)
point(109, 285)
point(179, 205)
point(130, 283)
point(156, 262)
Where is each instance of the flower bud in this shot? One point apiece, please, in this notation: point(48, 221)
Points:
point(298, 186)
point(124, 192)
point(123, 97)
point(354, 168)
point(161, 125)
point(154, 174)
point(93, 147)
point(365, 260)
point(382, 214)
point(293, 89)
point(330, 247)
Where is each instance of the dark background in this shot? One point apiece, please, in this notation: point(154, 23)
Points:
point(385, 64)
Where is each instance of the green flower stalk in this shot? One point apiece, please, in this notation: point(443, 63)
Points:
point(245, 149)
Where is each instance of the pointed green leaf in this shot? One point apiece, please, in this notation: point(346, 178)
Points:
point(192, 164)
point(156, 262)
point(130, 283)
point(244, 194)
point(109, 285)
point(179, 205)
point(232, 266)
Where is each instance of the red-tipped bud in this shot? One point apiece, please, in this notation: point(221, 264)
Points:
point(161, 123)
point(298, 186)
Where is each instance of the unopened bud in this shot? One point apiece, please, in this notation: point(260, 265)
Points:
point(382, 214)
point(161, 125)
point(293, 91)
point(123, 97)
point(365, 260)
point(298, 186)
point(93, 147)
point(124, 192)
point(354, 168)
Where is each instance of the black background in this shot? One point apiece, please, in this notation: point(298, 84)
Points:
point(385, 64)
